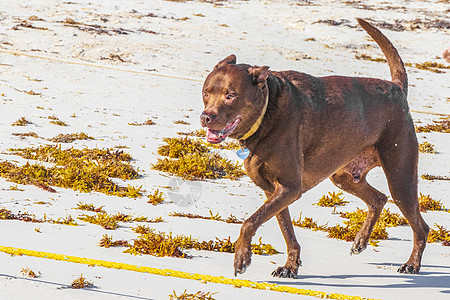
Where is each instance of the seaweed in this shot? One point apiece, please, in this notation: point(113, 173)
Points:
point(89, 207)
point(308, 223)
point(193, 160)
point(179, 147)
point(6, 214)
point(187, 296)
point(26, 24)
point(352, 225)
point(216, 217)
point(368, 57)
point(21, 122)
point(332, 200)
point(181, 122)
point(440, 234)
point(111, 222)
point(428, 203)
point(427, 147)
point(107, 242)
point(81, 283)
point(428, 65)
point(27, 272)
point(81, 170)
point(59, 123)
point(437, 126)
point(230, 145)
point(195, 133)
point(148, 122)
point(155, 198)
point(162, 244)
point(434, 177)
point(27, 134)
point(69, 138)
point(431, 66)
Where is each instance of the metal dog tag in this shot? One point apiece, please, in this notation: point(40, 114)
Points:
point(243, 153)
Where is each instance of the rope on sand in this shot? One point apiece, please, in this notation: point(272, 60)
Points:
point(179, 274)
point(81, 63)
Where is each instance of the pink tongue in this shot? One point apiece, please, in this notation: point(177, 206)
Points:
point(212, 137)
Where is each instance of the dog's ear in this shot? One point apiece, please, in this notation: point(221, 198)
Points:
point(226, 61)
point(259, 74)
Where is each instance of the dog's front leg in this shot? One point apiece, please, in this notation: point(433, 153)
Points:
point(280, 199)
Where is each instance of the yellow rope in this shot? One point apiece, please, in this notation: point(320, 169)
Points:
point(179, 274)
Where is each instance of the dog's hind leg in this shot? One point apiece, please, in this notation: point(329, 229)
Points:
point(374, 199)
point(398, 154)
point(290, 269)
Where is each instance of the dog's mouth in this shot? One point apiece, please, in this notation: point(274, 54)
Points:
point(217, 136)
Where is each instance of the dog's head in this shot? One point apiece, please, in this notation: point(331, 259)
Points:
point(234, 97)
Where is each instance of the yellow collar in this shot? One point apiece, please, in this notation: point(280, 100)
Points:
point(258, 122)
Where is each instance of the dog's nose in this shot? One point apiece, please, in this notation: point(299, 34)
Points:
point(206, 118)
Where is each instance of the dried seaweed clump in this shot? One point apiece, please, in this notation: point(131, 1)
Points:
point(428, 203)
point(187, 296)
point(155, 198)
point(196, 133)
point(216, 217)
point(89, 207)
point(230, 145)
point(192, 160)
point(148, 122)
point(81, 283)
point(427, 147)
point(370, 58)
point(179, 147)
point(107, 242)
point(69, 138)
point(182, 122)
point(57, 121)
point(21, 122)
point(333, 199)
point(26, 134)
point(6, 214)
point(356, 219)
point(353, 224)
point(111, 222)
point(431, 66)
point(308, 223)
point(81, 170)
point(162, 244)
point(27, 272)
point(437, 126)
point(440, 234)
point(434, 177)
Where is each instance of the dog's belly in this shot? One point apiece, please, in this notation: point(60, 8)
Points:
point(356, 157)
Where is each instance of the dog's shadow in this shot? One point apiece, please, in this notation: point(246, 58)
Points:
point(426, 279)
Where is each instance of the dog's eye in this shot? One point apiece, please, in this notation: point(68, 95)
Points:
point(229, 97)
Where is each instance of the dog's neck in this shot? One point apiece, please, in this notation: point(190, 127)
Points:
point(256, 125)
point(266, 120)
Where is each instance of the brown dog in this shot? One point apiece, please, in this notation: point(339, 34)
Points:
point(302, 129)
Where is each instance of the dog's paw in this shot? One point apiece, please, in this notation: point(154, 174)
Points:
point(283, 272)
point(359, 245)
point(242, 259)
point(408, 269)
point(357, 249)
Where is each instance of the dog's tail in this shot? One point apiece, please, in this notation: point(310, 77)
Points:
point(398, 72)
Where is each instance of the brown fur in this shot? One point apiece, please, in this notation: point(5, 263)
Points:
point(316, 128)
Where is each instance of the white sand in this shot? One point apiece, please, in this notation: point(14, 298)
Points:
point(81, 77)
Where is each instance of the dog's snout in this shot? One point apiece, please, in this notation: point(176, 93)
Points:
point(206, 118)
